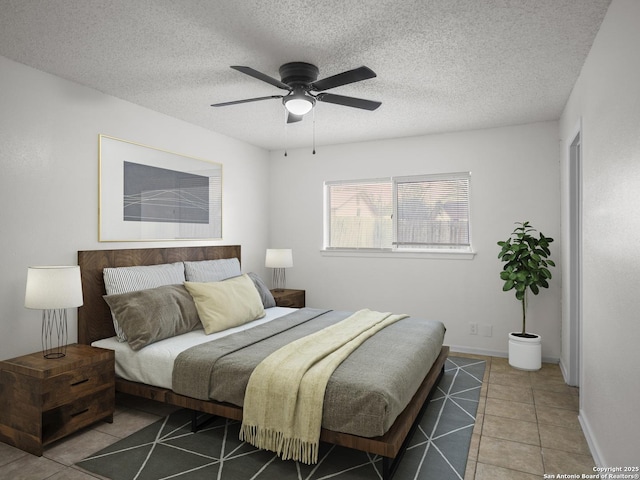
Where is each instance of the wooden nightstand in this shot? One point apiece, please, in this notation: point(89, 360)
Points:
point(43, 400)
point(289, 298)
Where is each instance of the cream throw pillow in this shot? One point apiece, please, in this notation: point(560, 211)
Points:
point(226, 304)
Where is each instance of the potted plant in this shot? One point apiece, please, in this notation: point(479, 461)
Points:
point(525, 270)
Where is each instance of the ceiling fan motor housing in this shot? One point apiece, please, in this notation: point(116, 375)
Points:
point(298, 73)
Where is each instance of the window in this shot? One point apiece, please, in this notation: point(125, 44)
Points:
point(408, 214)
point(359, 214)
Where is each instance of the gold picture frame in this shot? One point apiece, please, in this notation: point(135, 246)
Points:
point(149, 194)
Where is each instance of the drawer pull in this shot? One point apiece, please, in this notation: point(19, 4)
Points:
point(80, 382)
point(79, 413)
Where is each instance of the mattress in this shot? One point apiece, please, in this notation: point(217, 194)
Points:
point(153, 365)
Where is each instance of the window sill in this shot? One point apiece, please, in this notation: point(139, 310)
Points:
point(430, 254)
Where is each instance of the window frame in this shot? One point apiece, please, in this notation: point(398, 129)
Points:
point(465, 252)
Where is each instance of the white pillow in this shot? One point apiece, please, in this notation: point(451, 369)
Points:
point(212, 270)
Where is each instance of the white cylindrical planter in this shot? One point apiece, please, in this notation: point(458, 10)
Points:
point(525, 353)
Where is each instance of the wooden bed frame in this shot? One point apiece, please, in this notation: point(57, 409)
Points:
point(95, 323)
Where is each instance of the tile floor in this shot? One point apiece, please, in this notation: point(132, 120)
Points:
point(526, 426)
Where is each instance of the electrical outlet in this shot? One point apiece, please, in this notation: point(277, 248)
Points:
point(473, 329)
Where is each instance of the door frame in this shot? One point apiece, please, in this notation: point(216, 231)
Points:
point(575, 258)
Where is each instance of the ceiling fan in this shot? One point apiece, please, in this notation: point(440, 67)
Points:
point(300, 80)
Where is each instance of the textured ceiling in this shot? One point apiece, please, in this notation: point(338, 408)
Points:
point(442, 65)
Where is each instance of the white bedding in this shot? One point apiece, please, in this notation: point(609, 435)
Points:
point(153, 364)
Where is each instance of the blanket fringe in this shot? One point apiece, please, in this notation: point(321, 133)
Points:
point(274, 441)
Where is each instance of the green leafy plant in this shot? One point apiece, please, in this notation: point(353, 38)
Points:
point(526, 264)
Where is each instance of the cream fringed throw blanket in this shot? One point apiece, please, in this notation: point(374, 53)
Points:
point(282, 409)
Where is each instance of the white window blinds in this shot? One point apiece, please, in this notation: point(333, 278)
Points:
point(432, 212)
point(359, 214)
point(427, 212)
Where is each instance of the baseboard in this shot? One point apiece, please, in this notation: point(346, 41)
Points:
point(476, 351)
point(493, 353)
point(596, 453)
point(564, 371)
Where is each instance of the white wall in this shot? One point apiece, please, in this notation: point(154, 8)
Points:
point(515, 177)
point(607, 99)
point(49, 183)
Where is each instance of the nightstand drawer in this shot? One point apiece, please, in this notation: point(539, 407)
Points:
point(83, 411)
point(66, 387)
point(289, 298)
point(289, 302)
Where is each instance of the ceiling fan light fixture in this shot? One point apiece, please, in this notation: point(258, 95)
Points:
point(298, 103)
point(299, 79)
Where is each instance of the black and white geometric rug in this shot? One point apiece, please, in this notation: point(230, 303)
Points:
point(168, 449)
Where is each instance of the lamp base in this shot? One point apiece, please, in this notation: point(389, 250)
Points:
point(53, 355)
point(279, 279)
point(54, 333)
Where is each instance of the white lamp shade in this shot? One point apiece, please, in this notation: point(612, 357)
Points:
point(53, 287)
point(279, 258)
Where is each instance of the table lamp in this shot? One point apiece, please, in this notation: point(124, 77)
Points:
point(53, 290)
point(279, 259)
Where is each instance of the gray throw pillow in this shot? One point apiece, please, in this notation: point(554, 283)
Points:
point(147, 316)
point(265, 295)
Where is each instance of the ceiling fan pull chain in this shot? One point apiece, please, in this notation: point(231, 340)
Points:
point(286, 131)
point(314, 131)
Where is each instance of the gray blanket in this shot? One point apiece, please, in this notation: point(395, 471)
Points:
point(366, 392)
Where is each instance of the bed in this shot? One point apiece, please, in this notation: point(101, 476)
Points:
point(95, 326)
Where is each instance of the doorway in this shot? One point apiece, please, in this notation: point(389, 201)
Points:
point(575, 260)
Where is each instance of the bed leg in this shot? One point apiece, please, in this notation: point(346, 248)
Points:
point(195, 426)
point(387, 468)
point(390, 465)
point(194, 421)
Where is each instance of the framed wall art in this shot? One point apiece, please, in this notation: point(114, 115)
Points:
point(150, 194)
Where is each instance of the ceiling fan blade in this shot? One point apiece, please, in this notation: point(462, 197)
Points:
point(236, 102)
point(291, 118)
point(349, 101)
point(261, 76)
point(344, 78)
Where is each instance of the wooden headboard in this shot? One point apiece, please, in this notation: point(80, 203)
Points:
point(94, 317)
